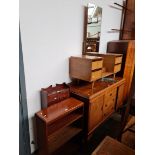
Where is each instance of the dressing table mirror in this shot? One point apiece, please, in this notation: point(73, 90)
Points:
point(92, 28)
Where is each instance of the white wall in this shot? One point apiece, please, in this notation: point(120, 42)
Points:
point(52, 31)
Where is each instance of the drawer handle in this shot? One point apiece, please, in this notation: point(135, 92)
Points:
point(105, 105)
point(111, 94)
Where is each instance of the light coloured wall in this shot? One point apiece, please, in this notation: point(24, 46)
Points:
point(52, 31)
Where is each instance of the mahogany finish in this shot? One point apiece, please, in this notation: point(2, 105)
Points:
point(110, 146)
point(99, 103)
point(51, 95)
point(57, 124)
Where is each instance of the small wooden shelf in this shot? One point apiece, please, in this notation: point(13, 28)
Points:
point(62, 123)
point(58, 139)
point(58, 123)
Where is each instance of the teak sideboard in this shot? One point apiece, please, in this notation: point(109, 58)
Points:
point(100, 103)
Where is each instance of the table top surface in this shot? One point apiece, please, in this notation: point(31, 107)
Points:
point(84, 89)
point(60, 109)
point(110, 146)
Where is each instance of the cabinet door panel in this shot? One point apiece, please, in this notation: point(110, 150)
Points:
point(120, 96)
point(95, 112)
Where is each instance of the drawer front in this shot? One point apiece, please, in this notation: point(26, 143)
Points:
point(63, 94)
point(117, 68)
point(52, 98)
point(109, 102)
point(108, 111)
point(118, 60)
point(97, 64)
point(96, 75)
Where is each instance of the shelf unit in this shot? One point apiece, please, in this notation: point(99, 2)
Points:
point(57, 124)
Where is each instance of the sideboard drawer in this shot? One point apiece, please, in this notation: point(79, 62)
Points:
point(108, 111)
point(97, 64)
point(96, 75)
point(117, 68)
point(118, 60)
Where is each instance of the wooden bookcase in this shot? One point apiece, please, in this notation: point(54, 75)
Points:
point(57, 124)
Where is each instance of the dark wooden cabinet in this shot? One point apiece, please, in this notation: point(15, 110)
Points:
point(57, 124)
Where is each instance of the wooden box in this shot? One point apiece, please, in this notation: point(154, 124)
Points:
point(87, 68)
point(53, 95)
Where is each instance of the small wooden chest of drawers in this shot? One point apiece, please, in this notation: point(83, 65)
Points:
point(87, 68)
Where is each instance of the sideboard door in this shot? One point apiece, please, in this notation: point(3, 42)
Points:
point(95, 112)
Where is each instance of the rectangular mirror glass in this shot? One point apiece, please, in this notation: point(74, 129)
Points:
point(93, 28)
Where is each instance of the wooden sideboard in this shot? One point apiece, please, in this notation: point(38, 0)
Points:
point(100, 103)
point(57, 124)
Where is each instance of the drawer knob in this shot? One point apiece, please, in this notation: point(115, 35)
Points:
point(55, 98)
point(111, 94)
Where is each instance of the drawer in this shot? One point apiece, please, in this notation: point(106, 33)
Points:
point(63, 94)
point(52, 98)
point(108, 111)
point(96, 75)
point(97, 64)
point(110, 93)
point(110, 98)
point(118, 60)
point(117, 68)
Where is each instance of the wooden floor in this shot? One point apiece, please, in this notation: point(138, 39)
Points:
point(110, 128)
